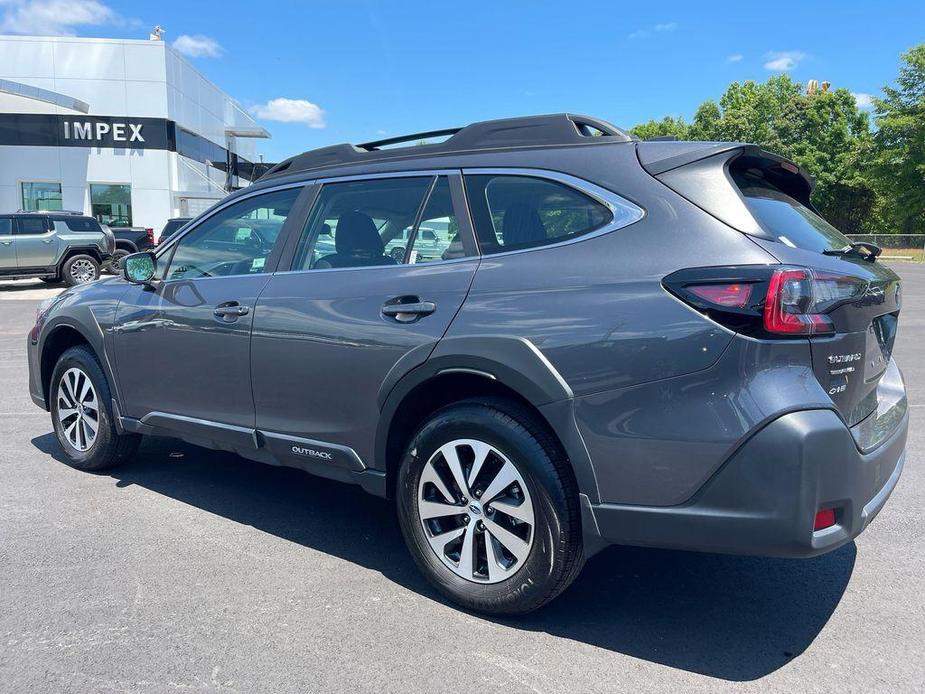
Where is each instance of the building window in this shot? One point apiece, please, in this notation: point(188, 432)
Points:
point(111, 204)
point(41, 196)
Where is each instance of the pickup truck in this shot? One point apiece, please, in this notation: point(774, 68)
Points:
point(128, 240)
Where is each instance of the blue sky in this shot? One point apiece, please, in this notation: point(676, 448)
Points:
point(356, 71)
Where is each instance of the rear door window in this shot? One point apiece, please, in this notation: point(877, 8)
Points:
point(785, 217)
point(31, 225)
point(6, 226)
point(513, 212)
point(361, 223)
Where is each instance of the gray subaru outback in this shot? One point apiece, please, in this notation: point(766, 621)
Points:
point(642, 343)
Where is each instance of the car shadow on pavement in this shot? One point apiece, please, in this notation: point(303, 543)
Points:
point(734, 618)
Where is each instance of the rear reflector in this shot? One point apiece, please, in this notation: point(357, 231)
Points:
point(734, 295)
point(824, 519)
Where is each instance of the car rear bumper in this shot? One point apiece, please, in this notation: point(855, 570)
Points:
point(764, 499)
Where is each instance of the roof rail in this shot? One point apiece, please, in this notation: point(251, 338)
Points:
point(554, 129)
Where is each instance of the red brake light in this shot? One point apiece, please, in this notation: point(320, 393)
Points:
point(824, 519)
point(150, 233)
point(734, 295)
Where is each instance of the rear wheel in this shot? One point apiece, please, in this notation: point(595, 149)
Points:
point(489, 508)
point(80, 269)
point(81, 412)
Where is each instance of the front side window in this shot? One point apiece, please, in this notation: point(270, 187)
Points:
point(361, 223)
point(41, 197)
point(513, 212)
point(235, 241)
point(111, 204)
point(6, 226)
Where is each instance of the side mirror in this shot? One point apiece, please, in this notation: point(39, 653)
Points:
point(139, 268)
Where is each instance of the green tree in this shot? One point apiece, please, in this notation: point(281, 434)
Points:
point(667, 127)
point(900, 141)
point(825, 133)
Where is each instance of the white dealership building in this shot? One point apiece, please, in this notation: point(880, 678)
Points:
point(125, 130)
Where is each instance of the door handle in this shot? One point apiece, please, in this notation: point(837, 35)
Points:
point(46, 240)
point(6, 243)
point(410, 311)
point(230, 311)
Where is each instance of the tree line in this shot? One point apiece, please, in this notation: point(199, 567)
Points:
point(870, 173)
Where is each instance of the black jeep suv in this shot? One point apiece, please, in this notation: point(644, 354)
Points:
point(646, 343)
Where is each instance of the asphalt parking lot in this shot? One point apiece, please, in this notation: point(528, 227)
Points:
point(194, 570)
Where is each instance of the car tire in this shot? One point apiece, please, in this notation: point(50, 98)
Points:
point(114, 266)
point(526, 571)
point(77, 406)
point(80, 269)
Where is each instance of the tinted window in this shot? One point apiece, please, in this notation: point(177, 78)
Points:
point(361, 223)
point(170, 227)
point(512, 212)
point(82, 224)
point(784, 217)
point(31, 225)
point(234, 241)
point(6, 226)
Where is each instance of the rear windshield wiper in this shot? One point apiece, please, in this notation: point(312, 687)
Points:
point(872, 250)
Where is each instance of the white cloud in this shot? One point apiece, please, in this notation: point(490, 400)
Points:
point(864, 101)
point(198, 46)
point(663, 28)
point(53, 17)
point(782, 61)
point(735, 58)
point(290, 111)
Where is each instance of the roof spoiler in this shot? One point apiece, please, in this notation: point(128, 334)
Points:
point(700, 172)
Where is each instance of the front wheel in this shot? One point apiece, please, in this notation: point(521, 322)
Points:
point(489, 508)
point(81, 412)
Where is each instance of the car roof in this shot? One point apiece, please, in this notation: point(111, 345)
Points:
point(554, 130)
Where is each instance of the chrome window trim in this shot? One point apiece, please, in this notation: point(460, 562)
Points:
point(623, 212)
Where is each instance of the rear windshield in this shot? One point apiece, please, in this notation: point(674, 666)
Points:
point(788, 220)
point(82, 224)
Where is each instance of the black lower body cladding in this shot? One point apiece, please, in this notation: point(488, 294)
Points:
point(763, 501)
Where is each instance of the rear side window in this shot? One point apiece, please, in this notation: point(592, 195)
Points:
point(82, 224)
point(31, 225)
point(513, 212)
point(6, 226)
point(362, 223)
point(785, 217)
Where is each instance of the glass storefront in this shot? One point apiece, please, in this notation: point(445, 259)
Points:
point(111, 204)
point(41, 196)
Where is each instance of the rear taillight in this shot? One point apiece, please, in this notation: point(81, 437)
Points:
point(788, 306)
point(150, 233)
point(767, 301)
